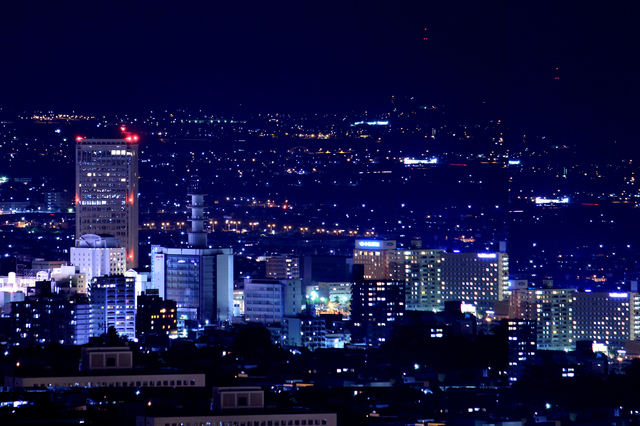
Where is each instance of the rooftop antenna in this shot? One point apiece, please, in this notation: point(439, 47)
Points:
point(197, 235)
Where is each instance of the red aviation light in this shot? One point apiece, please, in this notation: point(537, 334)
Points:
point(77, 200)
point(123, 128)
point(135, 138)
point(79, 138)
point(129, 138)
point(131, 199)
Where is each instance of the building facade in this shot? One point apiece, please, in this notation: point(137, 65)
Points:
point(304, 331)
point(423, 278)
point(263, 301)
point(282, 267)
point(106, 196)
point(380, 259)
point(113, 304)
point(376, 306)
point(155, 316)
point(435, 276)
point(53, 318)
point(522, 347)
point(200, 280)
point(479, 279)
point(610, 319)
point(97, 256)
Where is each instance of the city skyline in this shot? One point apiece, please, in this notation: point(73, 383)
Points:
point(403, 213)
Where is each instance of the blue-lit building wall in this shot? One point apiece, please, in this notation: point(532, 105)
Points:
point(200, 281)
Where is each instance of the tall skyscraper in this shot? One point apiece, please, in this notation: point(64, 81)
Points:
point(107, 191)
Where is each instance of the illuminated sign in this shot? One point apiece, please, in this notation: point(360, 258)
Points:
point(518, 284)
point(371, 123)
point(599, 347)
point(376, 245)
point(541, 200)
point(412, 161)
point(487, 255)
point(618, 294)
point(369, 244)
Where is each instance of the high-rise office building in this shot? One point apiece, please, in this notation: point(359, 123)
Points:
point(552, 311)
point(565, 316)
point(107, 191)
point(479, 279)
point(423, 278)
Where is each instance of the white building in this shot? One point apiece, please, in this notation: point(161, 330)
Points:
point(97, 256)
point(12, 283)
point(268, 300)
point(263, 300)
point(67, 276)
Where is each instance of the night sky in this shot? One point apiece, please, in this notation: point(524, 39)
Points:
point(331, 56)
